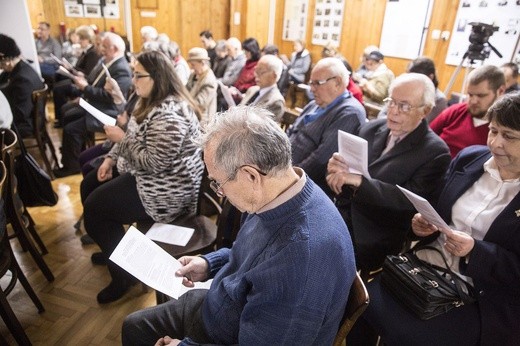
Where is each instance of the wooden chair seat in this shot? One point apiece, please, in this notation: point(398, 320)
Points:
point(357, 303)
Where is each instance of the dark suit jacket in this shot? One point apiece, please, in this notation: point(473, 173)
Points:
point(377, 213)
point(22, 81)
point(494, 262)
point(272, 100)
point(88, 61)
point(96, 95)
point(314, 143)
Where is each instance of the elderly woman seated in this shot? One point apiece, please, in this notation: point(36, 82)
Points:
point(481, 204)
point(158, 170)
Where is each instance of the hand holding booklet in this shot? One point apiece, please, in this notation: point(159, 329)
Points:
point(427, 211)
point(354, 150)
point(147, 261)
point(96, 113)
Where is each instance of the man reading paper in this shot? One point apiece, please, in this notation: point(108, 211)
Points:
point(401, 150)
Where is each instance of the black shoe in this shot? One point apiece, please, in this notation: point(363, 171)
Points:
point(86, 240)
point(98, 258)
point(65, 172)
point(113, 292)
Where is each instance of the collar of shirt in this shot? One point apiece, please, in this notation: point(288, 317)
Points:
point(292, 191)
point(479, 122)
point(318, 111)
point(490, 167)
point(263, 91)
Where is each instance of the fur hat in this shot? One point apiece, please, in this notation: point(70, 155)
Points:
point(198, 53)
point(376, 56)
point(8, 48)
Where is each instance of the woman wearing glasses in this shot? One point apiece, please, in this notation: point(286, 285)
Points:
point(152, 173)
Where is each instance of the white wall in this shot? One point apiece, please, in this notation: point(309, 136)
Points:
point(15, 22)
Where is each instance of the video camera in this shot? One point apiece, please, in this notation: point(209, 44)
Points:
point(480, 47)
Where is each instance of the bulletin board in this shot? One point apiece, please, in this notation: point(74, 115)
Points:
point(328, 21)
point(295, 20)
point(504, 14)
point(405, 28)
point(92, 8)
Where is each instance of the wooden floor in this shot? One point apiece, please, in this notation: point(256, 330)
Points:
point(72, 315)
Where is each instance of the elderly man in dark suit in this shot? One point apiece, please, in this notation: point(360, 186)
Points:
point(77, 123)
point(314, 134)
point(18, 81)
point(265, 93)
point(402, 150)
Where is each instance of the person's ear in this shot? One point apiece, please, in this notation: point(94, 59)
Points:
point(252, 174)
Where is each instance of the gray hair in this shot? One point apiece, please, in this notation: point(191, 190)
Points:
point(149, 31)
point(428, 92)
point(117, 41)
point(274, 64)
point(335, 67)
point(247, 135)
point(221, 46)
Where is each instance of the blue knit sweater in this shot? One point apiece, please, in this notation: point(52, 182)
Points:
point(285, 281)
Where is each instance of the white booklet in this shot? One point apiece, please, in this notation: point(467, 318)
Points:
point(64, 72)
point(427, 211)
point(354, 150)
point(227, 94)
point(147, 261)
point(170, 234)
point(96, 113)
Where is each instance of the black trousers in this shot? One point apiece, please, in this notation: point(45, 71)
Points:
point(107, 207)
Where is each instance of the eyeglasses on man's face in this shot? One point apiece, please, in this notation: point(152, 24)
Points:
point(217, 187)
point(317, 83)
point(403, 107)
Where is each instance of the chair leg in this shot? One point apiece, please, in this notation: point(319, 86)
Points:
point(34, 234)
point(21, 232)
point(12, 322)
point(43, 154)
point(25, 283)
point(48, 140)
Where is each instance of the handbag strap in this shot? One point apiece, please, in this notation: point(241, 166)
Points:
point(464, 289)
point(23, 150)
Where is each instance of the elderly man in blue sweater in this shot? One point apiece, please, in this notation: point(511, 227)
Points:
point(314, 134)
point(286, 279)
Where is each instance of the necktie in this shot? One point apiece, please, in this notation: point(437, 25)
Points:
point(391, 143)
point(253, 98)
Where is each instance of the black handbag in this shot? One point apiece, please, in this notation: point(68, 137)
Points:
point(425, 289)
point(34, 184)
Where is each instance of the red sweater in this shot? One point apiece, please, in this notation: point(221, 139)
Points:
point(455, 126)
point(355, 90)
point(246, 79)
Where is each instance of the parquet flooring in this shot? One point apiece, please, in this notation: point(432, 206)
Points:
point(72, 315)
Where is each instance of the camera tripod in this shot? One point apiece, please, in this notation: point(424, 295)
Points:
point(467, 70)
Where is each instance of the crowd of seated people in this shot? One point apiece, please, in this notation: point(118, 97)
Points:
point(152, 164)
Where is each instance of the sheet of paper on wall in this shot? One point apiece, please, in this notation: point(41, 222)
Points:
point(96, 113)
point(170, 234)
point(425, 208)
point(148, 262)
point(354, 150)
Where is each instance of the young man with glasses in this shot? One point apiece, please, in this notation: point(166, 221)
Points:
point(314, 134)
point(403, 151)
point(285, 279)
point(465, 124)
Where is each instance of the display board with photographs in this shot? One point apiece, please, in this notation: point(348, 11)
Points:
point(328, 21)
point(295, 19)
point(92, 8)
point(501, 19)
point(405, 39)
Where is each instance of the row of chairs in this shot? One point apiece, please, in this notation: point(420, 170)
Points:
point(24, 230)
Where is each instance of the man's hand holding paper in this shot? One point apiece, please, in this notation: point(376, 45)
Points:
point(339, 174)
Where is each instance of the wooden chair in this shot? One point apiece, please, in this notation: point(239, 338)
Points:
point(357, 303)
point(17, 214)
point(8, 263)
point(289, 117)
point(40, 134)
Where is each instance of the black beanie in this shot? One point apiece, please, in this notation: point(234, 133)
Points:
point(8, 48)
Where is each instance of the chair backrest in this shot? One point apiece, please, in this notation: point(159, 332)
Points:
point(357, 303)
point(39, 99)
point(3, 177)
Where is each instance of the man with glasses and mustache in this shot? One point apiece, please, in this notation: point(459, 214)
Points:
point(464, 124)
point(284, 281)
point(403, 151)
point(314, 134)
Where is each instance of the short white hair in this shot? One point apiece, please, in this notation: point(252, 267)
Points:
point(149, 31)
point(274, 64)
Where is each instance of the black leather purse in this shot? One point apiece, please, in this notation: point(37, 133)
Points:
point(425, 289)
